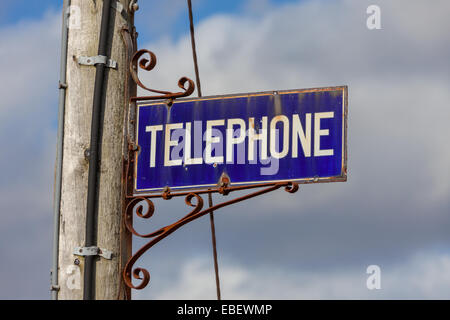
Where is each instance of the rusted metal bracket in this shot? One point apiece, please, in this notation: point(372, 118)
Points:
point(148, 64)
point(192, 199)
point(134, 204)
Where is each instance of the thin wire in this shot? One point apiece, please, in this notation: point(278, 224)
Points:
point(213, 239)
point(194, 51)
point(211, 214)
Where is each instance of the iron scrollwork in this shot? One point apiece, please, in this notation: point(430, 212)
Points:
point(148, 64)
point(192, 199)
point(142, 205)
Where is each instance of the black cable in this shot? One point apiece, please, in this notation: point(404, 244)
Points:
point(211, 214)
point(89, 271)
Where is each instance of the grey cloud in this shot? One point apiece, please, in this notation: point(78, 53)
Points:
point(395, 202)
point(26, 255)
point(394, 205)
point(419, 276)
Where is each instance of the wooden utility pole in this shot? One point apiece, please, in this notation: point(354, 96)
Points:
point(83, 41)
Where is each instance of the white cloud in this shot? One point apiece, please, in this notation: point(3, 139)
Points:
point(398, 151)
point(29, 60)
point(29, 64)
point(398, 87)
point(311, 43)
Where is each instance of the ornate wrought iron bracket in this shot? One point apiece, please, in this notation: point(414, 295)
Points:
point(134, 204)
point(192, 199)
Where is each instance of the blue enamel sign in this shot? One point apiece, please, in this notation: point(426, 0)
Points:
point(292, 135)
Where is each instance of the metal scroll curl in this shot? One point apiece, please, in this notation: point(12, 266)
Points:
point(136, 206)
point(147, 64)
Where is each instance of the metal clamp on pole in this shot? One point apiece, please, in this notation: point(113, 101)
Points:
point(92, 251)
point(92, 61)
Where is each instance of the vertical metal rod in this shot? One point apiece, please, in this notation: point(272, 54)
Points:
point(59, 150)
point(89, 271)
point(213, 237)
point(194, 51)
point(199, 91)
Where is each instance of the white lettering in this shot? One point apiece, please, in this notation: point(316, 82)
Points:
point(210, 139)
point(153, 130)
point(274, 137)
point(321, 132)
point(304, 135)
point(181, 138)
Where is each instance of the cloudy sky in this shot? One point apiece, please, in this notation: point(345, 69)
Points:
point(394, 210)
